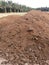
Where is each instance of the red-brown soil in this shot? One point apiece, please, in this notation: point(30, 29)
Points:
point(25, 40)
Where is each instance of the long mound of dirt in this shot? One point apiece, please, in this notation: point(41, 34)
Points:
point(25, 40)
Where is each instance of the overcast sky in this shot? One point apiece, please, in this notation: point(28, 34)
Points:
point(33, 3)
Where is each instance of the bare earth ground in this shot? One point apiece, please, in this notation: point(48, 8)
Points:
point(7, 14)
point(24, 40)
point(2, 60)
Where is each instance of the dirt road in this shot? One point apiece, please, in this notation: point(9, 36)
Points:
point(7, 14)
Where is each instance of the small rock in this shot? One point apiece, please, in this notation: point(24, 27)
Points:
point(39, 48)
point(7, 54)
point(30, 49)
point(30, 30)
point(39, 32)
point(26, 64)
point(35, 38)
point(47, 61)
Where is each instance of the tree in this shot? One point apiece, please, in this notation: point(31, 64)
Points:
point(9, 6)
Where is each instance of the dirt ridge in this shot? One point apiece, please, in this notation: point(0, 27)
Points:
point(25, 40)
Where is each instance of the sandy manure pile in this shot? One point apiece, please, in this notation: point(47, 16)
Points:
point(25, 40)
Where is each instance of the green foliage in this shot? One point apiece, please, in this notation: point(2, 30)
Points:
point(14, 7)
point(2, 3)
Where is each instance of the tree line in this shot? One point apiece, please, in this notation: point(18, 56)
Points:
point(13, 7)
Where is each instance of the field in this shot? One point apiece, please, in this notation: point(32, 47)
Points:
point(24, 39)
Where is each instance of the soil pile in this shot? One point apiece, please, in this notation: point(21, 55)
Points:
point(25, 40)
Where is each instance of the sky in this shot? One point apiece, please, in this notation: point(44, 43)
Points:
point(33, 3)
